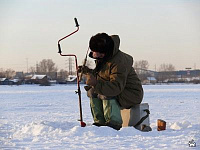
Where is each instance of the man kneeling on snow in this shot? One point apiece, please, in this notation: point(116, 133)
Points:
point(113, 84)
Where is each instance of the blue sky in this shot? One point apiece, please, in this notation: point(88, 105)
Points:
point(154, 30)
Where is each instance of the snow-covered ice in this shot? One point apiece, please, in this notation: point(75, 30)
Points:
point(39, 117)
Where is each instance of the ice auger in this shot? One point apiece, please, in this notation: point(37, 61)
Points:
point(83, 124)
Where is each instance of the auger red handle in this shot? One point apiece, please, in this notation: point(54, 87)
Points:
point(83, 124)
point(77, 25)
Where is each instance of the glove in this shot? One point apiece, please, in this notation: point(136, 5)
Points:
point(91, 80)
point(90, 92)
point(84, 69)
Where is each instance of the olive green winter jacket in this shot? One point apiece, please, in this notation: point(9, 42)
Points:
point(118, 78)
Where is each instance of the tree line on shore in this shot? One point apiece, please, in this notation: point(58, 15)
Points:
point(47, 66)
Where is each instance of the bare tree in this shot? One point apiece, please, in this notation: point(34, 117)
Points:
point(46, 66)
point(63, 74)
point(2, 75)
point(9, 73)
point(166, 67)
point(166, 71)
point(141, 68)
point(32, 69)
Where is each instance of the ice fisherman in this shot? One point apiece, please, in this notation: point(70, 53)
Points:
point(113, 84)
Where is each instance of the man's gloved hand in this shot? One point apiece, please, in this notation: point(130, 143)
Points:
point(90, 79)
point(84, 69)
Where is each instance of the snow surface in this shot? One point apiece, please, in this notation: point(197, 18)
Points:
point(38, 117)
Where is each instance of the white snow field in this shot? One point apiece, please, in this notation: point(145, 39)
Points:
point(38, 117)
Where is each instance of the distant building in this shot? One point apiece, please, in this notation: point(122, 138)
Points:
point(40, 79)
point(5, 81)
point(71, 78)
point(52, 75)
point(19, 75)
point(182, 76)
point(149, 80)
point(188, 73)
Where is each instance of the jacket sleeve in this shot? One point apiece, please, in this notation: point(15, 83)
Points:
point(118, 77)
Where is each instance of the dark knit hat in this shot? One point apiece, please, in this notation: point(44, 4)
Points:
point(102, 43)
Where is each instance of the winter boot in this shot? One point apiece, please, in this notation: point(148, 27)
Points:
point(114, 126)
